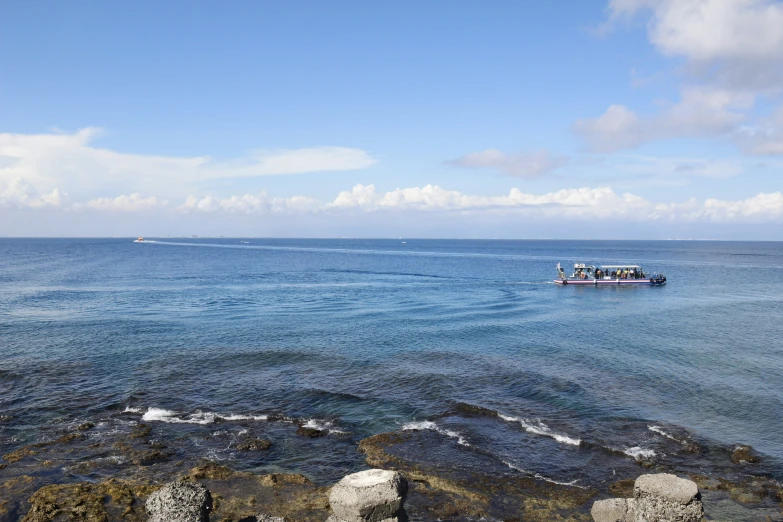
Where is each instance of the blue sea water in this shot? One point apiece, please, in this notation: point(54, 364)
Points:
point(358, 337)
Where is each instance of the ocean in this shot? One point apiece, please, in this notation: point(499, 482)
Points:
point(207, 340)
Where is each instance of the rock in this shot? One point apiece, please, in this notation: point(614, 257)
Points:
point(71, 437)
point(374, 495)
point(310, 432)
point(85, 426)
point(263, 517)
point(180, 502)
point(614, 510)
point(140, 431)
point(744, 455)
point(254, 445)
point(664, 497)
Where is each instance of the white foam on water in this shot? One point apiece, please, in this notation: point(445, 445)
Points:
point(639, 453)
point(572, 484)
point(516, 468)
point(539, 476)
point(539, 428)
point(429, 425)
point(161, 415)
point(129, 409)
point(322, 425)
point(659, 431)
point(243, 417)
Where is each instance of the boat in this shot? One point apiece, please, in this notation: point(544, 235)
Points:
point(140, 240)
point(609, 275)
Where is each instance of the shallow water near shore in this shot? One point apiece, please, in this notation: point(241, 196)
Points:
point(210, 340)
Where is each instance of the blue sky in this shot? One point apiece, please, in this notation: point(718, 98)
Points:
point(595, 119)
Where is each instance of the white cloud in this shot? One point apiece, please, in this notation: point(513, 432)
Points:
point(250, 204)
point(736, 42)
point(701, 112)
point(529, 165)
point(17, 193)
point(732, 52)
point(123, 203)
point(575, 205)
point(49, 161)
point(761, 207)
point(583, 203)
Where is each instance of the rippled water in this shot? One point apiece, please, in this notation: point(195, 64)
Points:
point(468, 340)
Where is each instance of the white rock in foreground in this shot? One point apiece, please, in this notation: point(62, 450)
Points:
point(614, 510)
point(180, 502)
point(375, 495)
point(667, 498)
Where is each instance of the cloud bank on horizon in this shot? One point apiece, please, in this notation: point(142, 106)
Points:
point(722, 61)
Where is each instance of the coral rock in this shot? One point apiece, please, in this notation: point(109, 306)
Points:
point(180, 502)
point(667, 498)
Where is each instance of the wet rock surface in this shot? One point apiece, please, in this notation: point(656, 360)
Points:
point(481, 489)
point(110, 500)
point(744, 455)
point(304, 431)
point(108, 472)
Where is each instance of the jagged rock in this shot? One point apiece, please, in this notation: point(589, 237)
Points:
point(614, 510)
point(667, 498)
point(180, 502)
point(374, 495)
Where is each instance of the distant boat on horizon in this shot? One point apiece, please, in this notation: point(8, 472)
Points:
point(140, 240)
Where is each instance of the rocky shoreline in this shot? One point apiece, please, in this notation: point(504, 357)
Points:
point(74, 477)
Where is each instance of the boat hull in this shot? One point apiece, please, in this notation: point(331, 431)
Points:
point(610, 282)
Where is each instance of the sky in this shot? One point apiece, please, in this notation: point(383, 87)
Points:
point(619, 119)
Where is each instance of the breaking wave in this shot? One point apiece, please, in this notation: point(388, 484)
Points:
point(161, 415)
point(429, 425)
point(639, 453)
point(539, 476)
point(322, 425)
point(539, 428)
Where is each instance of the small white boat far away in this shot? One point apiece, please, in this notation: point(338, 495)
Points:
point(140, 240)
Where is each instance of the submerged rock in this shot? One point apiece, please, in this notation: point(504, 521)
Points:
point(666, 497)
point(313, 433)
point(254, 445)
point(140, 431)
point(180, 502)
point(744, 455)
point(110, 500)
point(373, 495)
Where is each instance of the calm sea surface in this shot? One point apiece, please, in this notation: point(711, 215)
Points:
point(212, 337)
